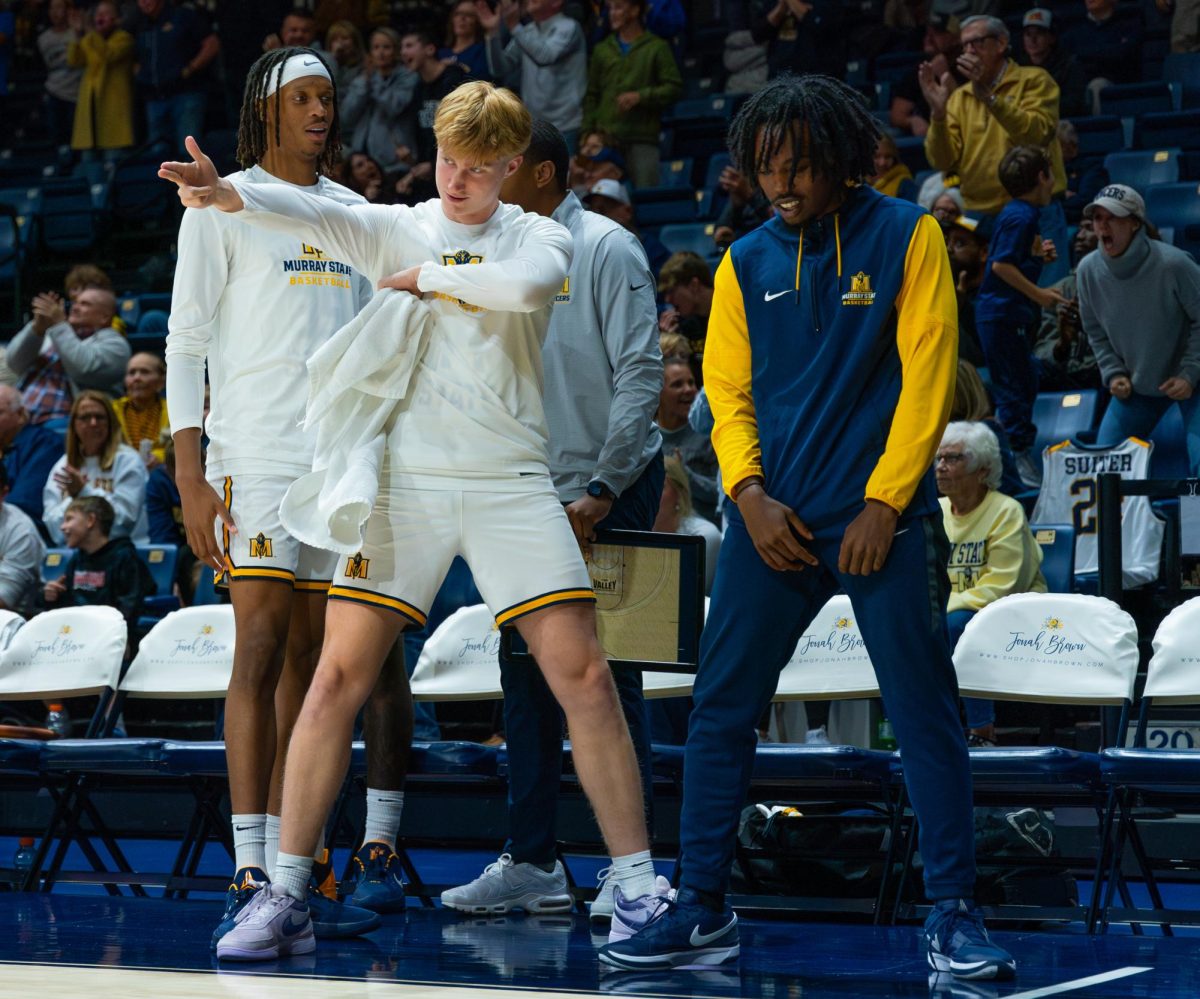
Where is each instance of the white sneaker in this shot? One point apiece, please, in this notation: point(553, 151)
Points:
point(601, 907)
point(504, 886)
point(273, 925)
point(630, 915)
point(817, 737)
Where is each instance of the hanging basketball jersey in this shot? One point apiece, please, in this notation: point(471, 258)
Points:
point(1069, 496)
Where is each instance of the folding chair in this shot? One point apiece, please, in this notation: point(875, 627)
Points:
point(161, 561)
point(1057, 542)
point(1050, 648)
point(1167, 776)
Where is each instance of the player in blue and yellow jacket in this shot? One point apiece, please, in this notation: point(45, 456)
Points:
point(830, 367)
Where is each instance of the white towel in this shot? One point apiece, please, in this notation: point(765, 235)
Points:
point(355, 382)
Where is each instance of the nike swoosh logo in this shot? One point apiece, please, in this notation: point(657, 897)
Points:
point(768, 297)
point(636, 287)
point(698, 939)
point(899, 532)
point(311, 62)
point(291, 927)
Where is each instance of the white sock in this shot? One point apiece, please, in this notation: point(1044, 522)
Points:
point(635, 874)
point(272, 844)
point(249, 841)
point(292, 874)
point(383, 816)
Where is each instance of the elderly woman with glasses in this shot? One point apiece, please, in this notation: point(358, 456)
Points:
point(992, 551)
point(98, 462)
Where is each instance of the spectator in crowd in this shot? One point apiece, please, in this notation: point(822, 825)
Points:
point(345, 50)
point(685, 283)
point(364, 176)
point(801, 37)
point(363, 14)
point(694, 449)
point(890, 172)
point(1139, 300)
point(58, 353)
point(1007, 303)
point(972, 403)
point(745, 61)
point(1039, 41)
point(992, 551)
point(589, 168)
point(104, 108)
point(746, 208)
point(632, 79)
point(97, 463)
point(1085, 174)
point(105, 570)
point(676, 516)
point(1108, 43)
point(610, 199)
point(435, 79)
point(466, 43)
point(967, 243)
point(909, 110)
point(142, 410)
point(62, 79)
point(21, 554)
point(83, 276)
point(164, 519)
point(665, 18)
point(30, 451)
point(298, 29)
point(1064, 358)
point(547, 57)
point(175, 45)
point(376, 108)
point(947, 206)
point(1003, 105)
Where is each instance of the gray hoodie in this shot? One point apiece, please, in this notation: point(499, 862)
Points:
point(1141, 313)
point(377, 116)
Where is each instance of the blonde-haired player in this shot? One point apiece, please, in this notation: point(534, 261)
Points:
point(466, 473)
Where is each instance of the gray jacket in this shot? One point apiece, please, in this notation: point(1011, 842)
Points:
point(551, 56)
point(1141, 313)
point(377, 116)
point(95, 363)
point(603, 366)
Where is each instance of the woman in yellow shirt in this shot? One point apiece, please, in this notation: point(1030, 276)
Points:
point(142, 411)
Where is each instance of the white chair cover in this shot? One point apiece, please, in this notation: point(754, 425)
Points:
point(70, 652)
point(1059, 648)
point(461, 660)
point(10, 623)
point(188, 654)
point(1173, 676)
point(830, 661)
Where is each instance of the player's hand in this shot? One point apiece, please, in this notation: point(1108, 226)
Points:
point(201, 508)
point(405, 280)
point(627, 101)
point(1176, 388)
point(200, 186)
point(775, 529)
point(584, 514)
point(1120, 386)
point(868, 539)
point(70, 480)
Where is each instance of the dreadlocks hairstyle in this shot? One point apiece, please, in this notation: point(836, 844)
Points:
point(821, 115)
point(252, 126)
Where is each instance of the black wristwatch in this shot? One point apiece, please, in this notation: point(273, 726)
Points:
point(599, 490)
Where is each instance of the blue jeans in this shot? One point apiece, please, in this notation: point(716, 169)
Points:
point(980, 712)
point(172, 119)
point(1138, 415)
point(533, 722)
point(755, 619)
point(1014, 378)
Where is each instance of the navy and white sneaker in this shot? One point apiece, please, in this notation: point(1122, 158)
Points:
point(959, 944)
point(246, 884)
point(334, 920)
point(272, 926)
point(378, 885)
point(681, 934)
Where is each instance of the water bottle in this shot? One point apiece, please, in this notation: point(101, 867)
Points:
point(885, 738)
point(58, 721)
point(23, 859)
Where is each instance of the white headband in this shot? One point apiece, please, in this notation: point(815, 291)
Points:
point(297, 66)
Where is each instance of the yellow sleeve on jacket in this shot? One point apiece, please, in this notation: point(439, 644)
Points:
point(927, 340)
point(943, 141)
point(1029, 111)
point(727, 381)
point(1005, 562)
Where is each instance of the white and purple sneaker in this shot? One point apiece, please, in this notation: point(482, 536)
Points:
point(630, 915)
point(273, 925)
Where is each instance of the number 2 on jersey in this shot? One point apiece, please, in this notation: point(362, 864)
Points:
point(1083, 512)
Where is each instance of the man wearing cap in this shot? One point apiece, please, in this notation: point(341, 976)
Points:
point(1039, 41)
point(610, 198)
point(1139, 301)
point(967, 244)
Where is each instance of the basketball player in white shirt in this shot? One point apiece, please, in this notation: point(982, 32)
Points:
point(466, 472)
point(252, 305)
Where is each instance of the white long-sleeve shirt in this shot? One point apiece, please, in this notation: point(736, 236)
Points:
point(123, 485)
point(21, 554)
point(254, 305)
point(474, 412)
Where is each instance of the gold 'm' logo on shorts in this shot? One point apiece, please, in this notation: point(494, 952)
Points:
point(356, 568)
point(260, 546)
